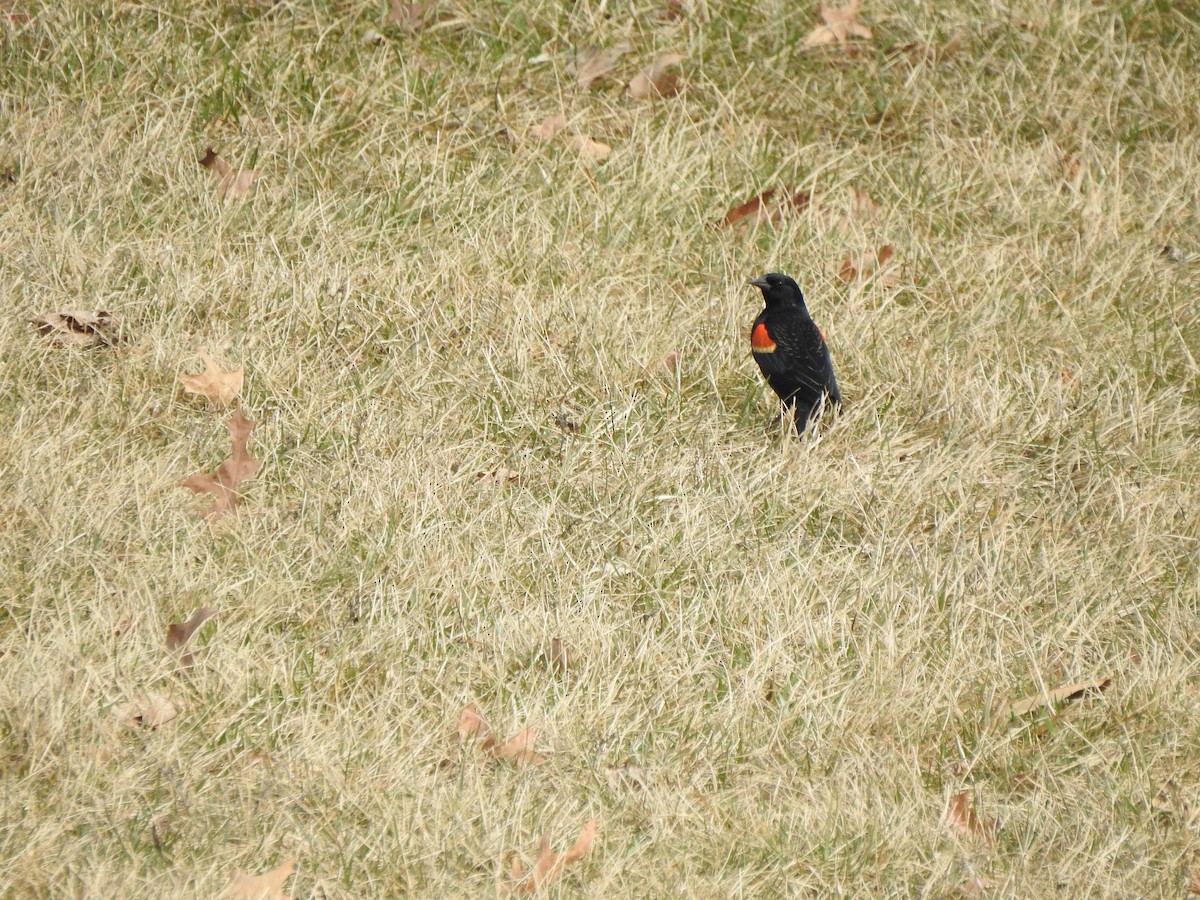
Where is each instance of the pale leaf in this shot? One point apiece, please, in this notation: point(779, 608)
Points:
point(80, 327)
point(217, 384)
point(548, 130)
point(267, 886)
point(1060, 694)
point(658, 80)
point(589, 150)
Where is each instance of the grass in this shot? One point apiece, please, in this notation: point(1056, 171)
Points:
point(787, 656)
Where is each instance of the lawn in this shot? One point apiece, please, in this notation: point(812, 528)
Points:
point(516, 458)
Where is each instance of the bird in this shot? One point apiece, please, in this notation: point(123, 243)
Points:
point(791, 351)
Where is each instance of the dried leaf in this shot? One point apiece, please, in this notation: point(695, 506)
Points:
point(549, 129)
point(558, 656)
point(1061, 694)
point(977, 885)
point(960, 816)
point(867, 266)
point(593, 63)
point(841, 24)
point(861, 205)
point(519, 749)
point(215, 383)
point(80, 327)
point(501, 475)
point(922, 50)
point(765, 208)
point(237, 468)
point(13, 13)
point(231, 184)
point(409, 16)
point(179, 633)
point(471, 724)
point(550, 866)
point(589, 150)
point(672, 11)
point(658, 80)
point(267, 886)
point(150, 711)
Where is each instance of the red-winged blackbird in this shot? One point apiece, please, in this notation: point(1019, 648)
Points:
point(790, 349)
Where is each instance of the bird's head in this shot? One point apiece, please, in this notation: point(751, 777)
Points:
point(779, 291)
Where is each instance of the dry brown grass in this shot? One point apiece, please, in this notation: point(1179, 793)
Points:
point(787, 657)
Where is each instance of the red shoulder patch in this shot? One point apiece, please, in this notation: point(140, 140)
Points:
point(760, 341)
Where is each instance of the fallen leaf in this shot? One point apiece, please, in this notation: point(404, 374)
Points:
point(267, 886)
point(237, 468)
point(471, 723)
point(409, 16)
point(672, 11)
point(548, 130)
point(658, 80)
point(501, 475)
point(870, 267)
point(179, 633)
point(841, 24)
point(550, 865)
point(975, 885)
point(1194, 884)
point(150, 711)
point(1060, 694)
point(231, 184)
point(519, 749)
point(765, 208)
point(861, 205)
point(923, 50)
point(593, 63)
point(80, 327)
point(215, 383)
point(14, 14)
point(588, 149)
point(558, 656)
point(960, 816)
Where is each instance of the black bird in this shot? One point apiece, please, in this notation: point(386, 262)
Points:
point(790, 349)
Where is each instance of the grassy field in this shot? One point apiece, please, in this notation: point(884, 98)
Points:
point(515, 451)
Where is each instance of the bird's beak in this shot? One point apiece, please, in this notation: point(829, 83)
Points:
point(760, 282)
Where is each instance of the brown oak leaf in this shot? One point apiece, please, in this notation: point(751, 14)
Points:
point(550, 866)
point(215, 383)
point(593, 63)
point(409, 16)
point(658, 80)
point(841, 24)
point(148, 711)
point(179, 633)
point(231, 184)
point(267, 886)
point(548, 130)
point(769, 206)
point(960, 816)
point(589, 150)
point(80, 327)
point(237, 468)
